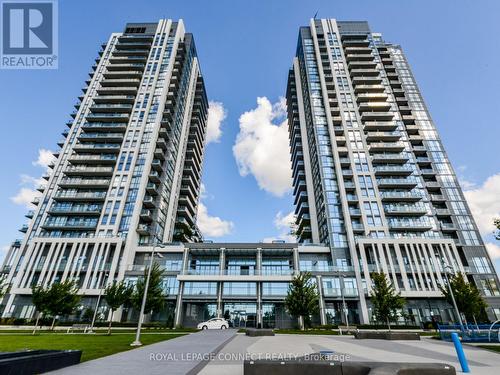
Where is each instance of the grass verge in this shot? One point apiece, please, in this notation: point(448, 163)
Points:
point(494, 348)
point(92, 346)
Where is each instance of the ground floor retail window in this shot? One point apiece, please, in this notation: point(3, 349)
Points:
point(240, 314)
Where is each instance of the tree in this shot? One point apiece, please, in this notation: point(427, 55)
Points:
point(496, 223)
point(155, 299)
point(116, 295)
point(467, 296)
point(4, 286)
point(302, 299)
point(62, 299)
point(385, 300)
point(40, 298)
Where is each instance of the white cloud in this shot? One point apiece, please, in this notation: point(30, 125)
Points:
point(45, 157)
point(484, 202)
point(284, 224)
point(212, 226)
point(262, 146)
point(493, 250)
point(24, 197)
point(216, 115)
point(29, 183)
point(3, 252)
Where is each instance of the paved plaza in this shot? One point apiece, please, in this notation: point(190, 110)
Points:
point(222, 352)
point(427, 350)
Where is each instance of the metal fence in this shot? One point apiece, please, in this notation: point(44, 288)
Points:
point(471, 332)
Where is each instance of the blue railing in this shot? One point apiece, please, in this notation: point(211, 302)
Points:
point(471, 332)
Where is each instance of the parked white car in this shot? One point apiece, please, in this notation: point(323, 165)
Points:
point(214, 323)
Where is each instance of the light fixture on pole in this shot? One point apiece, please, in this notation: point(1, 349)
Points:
point(137, 341)
point(91, 330)
point(447, 267)
point(344, 306)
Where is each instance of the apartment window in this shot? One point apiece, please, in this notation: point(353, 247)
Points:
point(372, 212)
point(360, 162)
point(471, 238)
point(366, 186)
point(481, 265)
point(342, 83)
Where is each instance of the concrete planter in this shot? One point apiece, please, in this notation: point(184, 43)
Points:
point(387, 335)
point(259, 332)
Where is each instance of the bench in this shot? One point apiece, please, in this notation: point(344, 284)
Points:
point(259, 332)
point(347, 329)
point(81, 327)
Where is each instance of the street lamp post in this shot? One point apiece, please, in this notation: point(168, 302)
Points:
point(137, 341)
point(344, 306)
point(446, 267)
point(91, 330)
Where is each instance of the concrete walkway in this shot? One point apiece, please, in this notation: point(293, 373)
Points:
point(183, 355)
point(230, 359)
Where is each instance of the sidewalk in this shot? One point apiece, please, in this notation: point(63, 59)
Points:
point(182, 355)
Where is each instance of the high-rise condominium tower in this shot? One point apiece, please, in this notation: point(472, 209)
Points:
point(128, 171)
point(371, 177)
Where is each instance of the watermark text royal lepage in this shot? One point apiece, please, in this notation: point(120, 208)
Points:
point(29, 35)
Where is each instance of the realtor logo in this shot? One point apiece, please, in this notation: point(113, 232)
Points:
point(29, 35)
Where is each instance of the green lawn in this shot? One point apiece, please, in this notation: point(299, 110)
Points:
point(92, 345)
point(495, 348)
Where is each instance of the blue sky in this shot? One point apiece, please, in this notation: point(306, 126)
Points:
point(245, 50)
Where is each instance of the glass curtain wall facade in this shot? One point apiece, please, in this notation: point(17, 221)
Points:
point(370, 175)
point(128, 171)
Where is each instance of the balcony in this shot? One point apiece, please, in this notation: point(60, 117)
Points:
point(144, 229)
point(100, 137)
point(104, 126)
point(366, 80)
point(85, 196)
point(397, 182)
point(358, 89)
point(30, 214)
point(438, 198)
point(402, 196)
point(146, 215)
point(92, 159)
point(35, 201)
point(149, 201)
point(152, 188)
point(386, 147)
point(371, 97)
point(442, 212)
point(380, 126)
point(88, 171)
point(129, 90)
point(377, 116)
point(154, 176)
point(403, 170)
point(120, 99)
point(448, 227)
point(357, 227)
point(70, 224)
point(97, 147)
point(409, 225)
point(109, 117)
point(405, 210)
point(77, 210)
point(24, 228)
point(389, 158)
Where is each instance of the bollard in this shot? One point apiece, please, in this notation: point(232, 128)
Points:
point(460, 352)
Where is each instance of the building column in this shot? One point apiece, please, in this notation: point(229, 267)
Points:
point(296, 261)
point(322, 315)
point(259, 304)
point(178, 305)
point(222, 260)
point(258, 262)
point(219, 299)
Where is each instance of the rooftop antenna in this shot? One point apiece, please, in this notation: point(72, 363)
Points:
point(315, 14)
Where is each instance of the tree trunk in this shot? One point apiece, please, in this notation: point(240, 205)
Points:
point(110, 322)
point(53, 323)
point(388, 324)
point(36, 322)
point(301, 322)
